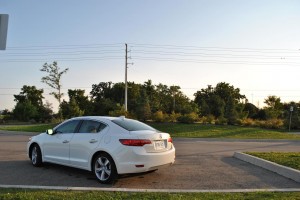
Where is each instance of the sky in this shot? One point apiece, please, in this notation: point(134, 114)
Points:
point(253, 45)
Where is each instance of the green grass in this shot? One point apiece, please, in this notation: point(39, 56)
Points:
point(189, 131)
point(9, 194)
point(290, 159)
point(28, 128)
point(221, 131)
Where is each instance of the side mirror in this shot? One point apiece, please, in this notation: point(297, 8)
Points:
point(49, 131)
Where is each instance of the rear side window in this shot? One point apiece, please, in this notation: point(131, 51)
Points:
point(89, 126)
point(133, 125)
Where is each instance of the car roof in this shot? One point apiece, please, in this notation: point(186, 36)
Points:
point(102, 118)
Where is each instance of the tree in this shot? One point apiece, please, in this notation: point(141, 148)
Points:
point(274, 107)
point(203, 99)
point(232, 98)
point(143, 109)
point(81, 100)
point(231, 111)
point(222, 101)
point(30, 105)
point(70, 109)
point(31, 94)
point(164, 102)
point(53, 79)
point(217, 105)
point(25, 111)
point(151, 92)
point(45, 112)
point(102, 98)
point(252, 110)
point(101, 90)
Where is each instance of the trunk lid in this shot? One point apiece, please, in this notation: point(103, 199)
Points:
point(160, 142)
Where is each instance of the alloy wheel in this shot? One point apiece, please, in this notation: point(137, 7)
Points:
point(102, 168)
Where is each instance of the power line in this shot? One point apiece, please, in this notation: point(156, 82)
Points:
point(151, 46)
point(64, 59)
point(64, 46)
point(158, 53)
point(214, 61)
point(244, 56)
point(221, 55)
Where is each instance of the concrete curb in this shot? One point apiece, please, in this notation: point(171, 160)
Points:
point(271, 166)
point(147, 190)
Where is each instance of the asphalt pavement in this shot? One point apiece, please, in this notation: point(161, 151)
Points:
point(200, 164)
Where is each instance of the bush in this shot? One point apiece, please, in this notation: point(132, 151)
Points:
point(188, 118)
point(158, 116)
point(271, 123)
point(173, 117)
point(119, 111)
point(247, 122)
point(210, 119)
point(221, 121)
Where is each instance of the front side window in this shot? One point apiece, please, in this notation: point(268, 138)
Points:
point(68, 127)
point(89, 126)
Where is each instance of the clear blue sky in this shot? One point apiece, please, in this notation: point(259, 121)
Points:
point(251, 44)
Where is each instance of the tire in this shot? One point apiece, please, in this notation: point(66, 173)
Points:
point(36, 156)
point(104, 168)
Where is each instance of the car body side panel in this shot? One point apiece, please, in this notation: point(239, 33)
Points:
point(56, 148)
point(82, 145)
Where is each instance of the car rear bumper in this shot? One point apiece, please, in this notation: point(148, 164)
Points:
point(143, 162)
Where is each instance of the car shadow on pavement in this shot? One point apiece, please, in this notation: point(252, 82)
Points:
point(23, 173)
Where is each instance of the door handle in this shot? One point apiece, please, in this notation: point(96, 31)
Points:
point(93, 141)
point(65, 141)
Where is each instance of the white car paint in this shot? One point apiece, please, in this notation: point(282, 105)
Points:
point(78, 149)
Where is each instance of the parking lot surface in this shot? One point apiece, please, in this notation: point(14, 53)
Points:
point(200, 164)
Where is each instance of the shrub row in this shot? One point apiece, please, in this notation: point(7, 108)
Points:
point(271, 123)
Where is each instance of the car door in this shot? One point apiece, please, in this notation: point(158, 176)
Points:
point(57, 146)
point(85, 141)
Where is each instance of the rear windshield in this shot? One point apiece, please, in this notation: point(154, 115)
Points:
point(133, 125)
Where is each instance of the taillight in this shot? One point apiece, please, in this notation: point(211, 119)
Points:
point(170, 140)
point(134, 142)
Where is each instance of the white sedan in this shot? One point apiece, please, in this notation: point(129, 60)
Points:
point(108, 146)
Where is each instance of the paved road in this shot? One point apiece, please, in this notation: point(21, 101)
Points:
point(200, 164)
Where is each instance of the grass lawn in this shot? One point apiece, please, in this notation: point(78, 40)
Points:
point(289, 159)
point(189, 131)
point(221, 131)
point(28, 128)
point(9, 194)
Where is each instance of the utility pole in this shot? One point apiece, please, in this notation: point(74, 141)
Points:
point(126, 63)
point(126, 84)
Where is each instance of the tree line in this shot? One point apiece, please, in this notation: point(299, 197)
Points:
point(222, 104)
